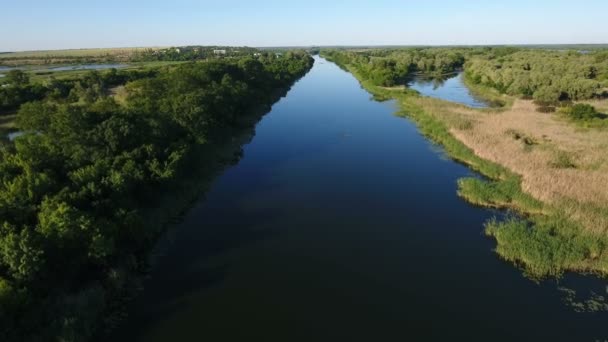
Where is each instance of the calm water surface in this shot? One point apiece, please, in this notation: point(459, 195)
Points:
point(70, 67)
point(88, 67)
point(342, 223)
point(4, 69)
point(451, 88)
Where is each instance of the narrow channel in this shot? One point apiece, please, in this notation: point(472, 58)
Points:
point(342, 223)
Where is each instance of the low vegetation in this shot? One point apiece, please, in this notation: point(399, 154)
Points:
point(77, 187)
point(18, 88)
point(544, 168)
point(75, 56)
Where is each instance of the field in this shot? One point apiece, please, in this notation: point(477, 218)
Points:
point(50, 57)
point(74, 52)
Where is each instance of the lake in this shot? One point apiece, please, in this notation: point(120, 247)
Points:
point(342, 223)
point(448, 87)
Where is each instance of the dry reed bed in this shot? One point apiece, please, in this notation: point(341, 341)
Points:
point(560, 163)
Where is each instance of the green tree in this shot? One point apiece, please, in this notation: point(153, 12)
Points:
point(17, 78)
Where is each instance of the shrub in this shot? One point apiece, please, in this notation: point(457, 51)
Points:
point(563, 160)
point(546, 109)
point(581, 111)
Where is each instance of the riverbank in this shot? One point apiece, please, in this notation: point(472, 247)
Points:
point(204, 164)
point(543, 168)
point(170, 159)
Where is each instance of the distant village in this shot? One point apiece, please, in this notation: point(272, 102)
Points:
point(187, 53)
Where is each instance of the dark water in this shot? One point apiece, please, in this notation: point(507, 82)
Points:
point(12, 135)
point(88, 67)
point(341, 223)
point(4, 69)
point(71, 67)
point(451, 88)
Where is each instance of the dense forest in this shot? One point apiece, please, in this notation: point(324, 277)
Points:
point(545, 75)
point(74, 186)
point(392, 67)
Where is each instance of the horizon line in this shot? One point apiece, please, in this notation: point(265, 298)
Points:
point(319, 46)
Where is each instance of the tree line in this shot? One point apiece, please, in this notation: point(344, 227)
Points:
point(390, 67)
point(17, 88)
point(545, 75)
point(73, 187)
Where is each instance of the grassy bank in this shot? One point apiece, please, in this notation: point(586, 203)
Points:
point(555, 235)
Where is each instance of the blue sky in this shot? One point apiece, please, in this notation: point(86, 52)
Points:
point(59, 24)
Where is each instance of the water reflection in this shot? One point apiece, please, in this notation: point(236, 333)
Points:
point(449, 87)
point(342, 223)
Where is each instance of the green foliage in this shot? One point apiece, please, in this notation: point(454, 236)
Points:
point(88, 88)
point(498, 193)
point(548, 246)
point(17, 78)
point(73, 187)
point(388, 68)
point(581, 111)
point(545, 75)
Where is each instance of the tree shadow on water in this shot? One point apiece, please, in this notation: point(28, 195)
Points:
point(187, 270)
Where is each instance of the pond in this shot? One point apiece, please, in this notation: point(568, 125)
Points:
point(341, 223)
point(449, 88)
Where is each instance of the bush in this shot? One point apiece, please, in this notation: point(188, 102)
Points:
point(546, 109)
point(563, 160)
point(582, 111)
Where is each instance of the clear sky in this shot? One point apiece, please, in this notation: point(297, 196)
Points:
point(59, 24)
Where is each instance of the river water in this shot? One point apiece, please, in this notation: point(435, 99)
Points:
point(341, 223)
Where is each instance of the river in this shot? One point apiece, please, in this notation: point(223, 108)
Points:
point(448, 87)
point(342, 223)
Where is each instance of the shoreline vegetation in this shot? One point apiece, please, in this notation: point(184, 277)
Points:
point(546, 169)
point(109, 160)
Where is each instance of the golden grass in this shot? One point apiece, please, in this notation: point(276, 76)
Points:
point(560, 163)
